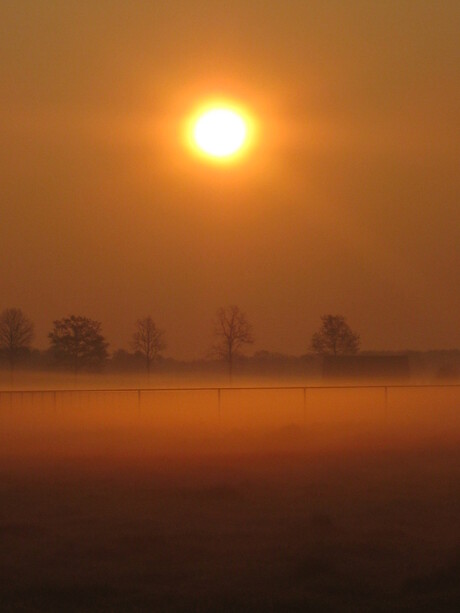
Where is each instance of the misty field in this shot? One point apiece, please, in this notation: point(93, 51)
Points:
point(247, 500)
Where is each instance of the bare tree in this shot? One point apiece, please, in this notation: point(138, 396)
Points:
point(335, 337)
point(16, 334)
point(78, 342)
point(232, 330)
point(148, 340)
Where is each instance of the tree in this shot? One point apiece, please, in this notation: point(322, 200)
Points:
point(148, 340)
point(232, 330)
point(77, 341)
point(16, 334)
point(335, 337)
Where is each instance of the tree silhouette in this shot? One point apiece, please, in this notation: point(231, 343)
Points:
point(16, 334)
point(232, 330)
point(77, 341)
point(335, 337)
point(148, 340)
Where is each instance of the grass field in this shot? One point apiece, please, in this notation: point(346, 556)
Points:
point(116, 507)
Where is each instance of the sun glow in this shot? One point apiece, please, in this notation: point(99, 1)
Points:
point(220, 132)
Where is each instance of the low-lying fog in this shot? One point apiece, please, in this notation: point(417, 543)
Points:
point(142, 422)
point(242, 500)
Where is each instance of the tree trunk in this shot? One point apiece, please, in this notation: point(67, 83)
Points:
point(12, 365)
point(149, 364)
point(230, 369)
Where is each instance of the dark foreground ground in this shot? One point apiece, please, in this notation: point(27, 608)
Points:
point(286, 531)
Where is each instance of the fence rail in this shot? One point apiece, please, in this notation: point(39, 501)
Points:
point(221, 390)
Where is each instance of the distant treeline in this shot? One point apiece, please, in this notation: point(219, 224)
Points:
point(440, 365)
point(77, 343)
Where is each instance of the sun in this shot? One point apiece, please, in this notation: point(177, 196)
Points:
point(220, 132)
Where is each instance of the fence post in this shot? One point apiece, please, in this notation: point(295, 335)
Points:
point(219, 413)
point(304, 404)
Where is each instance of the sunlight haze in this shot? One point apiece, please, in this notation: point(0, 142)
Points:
point(350, 203)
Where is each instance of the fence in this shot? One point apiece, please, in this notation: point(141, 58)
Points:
point(140, 395)
point(72, 421)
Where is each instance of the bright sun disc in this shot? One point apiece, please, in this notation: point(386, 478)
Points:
point(220, 132)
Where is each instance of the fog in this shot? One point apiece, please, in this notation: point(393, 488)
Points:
point(275, 457)
point(229, 498)
point(142, 423)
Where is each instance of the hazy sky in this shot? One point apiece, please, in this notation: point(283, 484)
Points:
point(348, 203)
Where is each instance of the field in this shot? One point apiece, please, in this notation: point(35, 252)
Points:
point(268, 501)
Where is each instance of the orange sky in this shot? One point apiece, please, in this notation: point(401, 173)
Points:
point(348, 203)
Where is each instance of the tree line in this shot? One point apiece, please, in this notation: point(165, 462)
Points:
point(77, 342)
